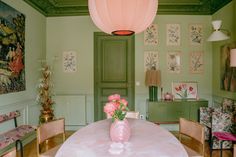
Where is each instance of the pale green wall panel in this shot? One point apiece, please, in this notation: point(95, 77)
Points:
point(227, 15)
point(35, 49)
point(76, 33)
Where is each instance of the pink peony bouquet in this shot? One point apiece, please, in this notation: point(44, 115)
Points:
point(116, 107)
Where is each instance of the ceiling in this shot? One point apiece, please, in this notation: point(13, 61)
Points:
point(165, 7)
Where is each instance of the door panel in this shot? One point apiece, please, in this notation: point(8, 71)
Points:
point(113, 70)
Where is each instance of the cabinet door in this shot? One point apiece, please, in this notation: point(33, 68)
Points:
point(194, 109)
point(167, 112)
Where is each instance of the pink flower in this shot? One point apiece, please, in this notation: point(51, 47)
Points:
point(116, 107)
point(190, 88)
point(177, 89)
point(114, 97)
point(184, 86)
point(124, 102)
point(109, 108)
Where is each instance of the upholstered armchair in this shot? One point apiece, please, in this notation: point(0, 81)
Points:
point(217, 119)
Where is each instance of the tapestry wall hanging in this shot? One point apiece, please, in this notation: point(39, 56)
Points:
point(12, 49)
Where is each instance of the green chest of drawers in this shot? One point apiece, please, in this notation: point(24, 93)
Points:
point(171, 111)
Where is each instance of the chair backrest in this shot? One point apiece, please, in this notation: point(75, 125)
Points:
point(132, 114)
point(49, 130)
point(192, 129)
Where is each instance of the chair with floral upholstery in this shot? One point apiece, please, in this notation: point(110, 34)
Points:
point(218, 119)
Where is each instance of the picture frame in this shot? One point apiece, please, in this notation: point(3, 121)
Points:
point(185, 90)
point(173, 34)
point(151, 35)
point(69, 61)
point(196, 65)
point(227, 73)
point(196, 34)
point(173, 62)
point(151, 60)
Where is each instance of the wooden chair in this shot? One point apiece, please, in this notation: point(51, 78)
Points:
point(195, 131)
point(132, 114)
point(10, 153)
point(46, 131)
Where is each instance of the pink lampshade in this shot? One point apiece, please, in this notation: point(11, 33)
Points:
point(233, 57)
point(122, 17)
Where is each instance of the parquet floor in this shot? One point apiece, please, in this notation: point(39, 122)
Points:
point(30, 149)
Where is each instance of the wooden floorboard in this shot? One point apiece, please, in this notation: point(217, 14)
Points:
point(30, 149)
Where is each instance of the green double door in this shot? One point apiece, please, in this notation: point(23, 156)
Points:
point(113, 70)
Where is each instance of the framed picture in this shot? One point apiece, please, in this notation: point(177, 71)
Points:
point(173, 34)
point(184, 90)
point(12, 50)
point(196, 62)
point(196, 34)
point(173, 62)
point(227, 73)
point(151, 60)
point(69, 61)
point(151, 35)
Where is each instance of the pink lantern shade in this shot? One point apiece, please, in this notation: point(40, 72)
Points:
point(233, 57)
point(122, 17)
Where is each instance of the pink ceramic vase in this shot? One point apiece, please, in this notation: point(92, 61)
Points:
point(120, 131)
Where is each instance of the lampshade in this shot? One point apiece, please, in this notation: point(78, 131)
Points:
point(233, 57)
point(122, 17)
point(217, 35)
point(153, 78)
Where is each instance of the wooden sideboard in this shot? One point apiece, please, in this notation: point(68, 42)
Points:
point(170, 111)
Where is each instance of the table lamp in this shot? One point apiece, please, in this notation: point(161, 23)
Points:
point(153, 80)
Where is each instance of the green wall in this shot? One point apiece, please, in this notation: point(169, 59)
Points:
point(76, 33)
point(227, 14)
point(50, 37)
point(35, 46)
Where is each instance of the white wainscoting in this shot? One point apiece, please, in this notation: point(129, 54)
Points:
point(73, 109)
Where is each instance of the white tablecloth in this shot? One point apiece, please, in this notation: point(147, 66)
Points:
point(147, 140)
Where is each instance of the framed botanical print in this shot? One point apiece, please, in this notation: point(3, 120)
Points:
point(184, 90)
point(151, 60)
point(69, 61)
point(151, 35)
point(196, 34)
point(173, 62)
point(196, 62)
point(173, 34)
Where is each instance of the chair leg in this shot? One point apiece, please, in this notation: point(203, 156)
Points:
point(211, 144)
point(21, 147)
point(221, 144)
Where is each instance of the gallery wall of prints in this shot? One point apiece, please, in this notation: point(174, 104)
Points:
point(175, 49)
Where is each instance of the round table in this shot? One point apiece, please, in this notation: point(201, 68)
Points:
point(147, 140)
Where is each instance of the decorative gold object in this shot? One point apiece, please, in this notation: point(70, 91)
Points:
point(45, 95)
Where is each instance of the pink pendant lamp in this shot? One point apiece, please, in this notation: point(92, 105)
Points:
point(122, 17)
